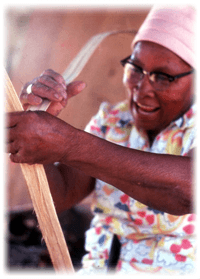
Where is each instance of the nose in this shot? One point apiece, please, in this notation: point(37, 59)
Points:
point(144, 87)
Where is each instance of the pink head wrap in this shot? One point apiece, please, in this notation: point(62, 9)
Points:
point(173, 28)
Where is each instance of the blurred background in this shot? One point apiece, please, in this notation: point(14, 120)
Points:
point(40, 38)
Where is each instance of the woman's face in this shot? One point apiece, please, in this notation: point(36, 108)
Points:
point(154, 110)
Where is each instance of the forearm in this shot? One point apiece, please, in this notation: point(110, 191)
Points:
point(163, 182)
point(68, 186)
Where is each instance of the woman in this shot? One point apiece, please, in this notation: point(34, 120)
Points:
point(143, 147)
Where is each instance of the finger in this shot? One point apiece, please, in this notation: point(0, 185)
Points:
point(57, 77)
point(12, 148)
point(12, 118)
point(11, 136)
point(56, 107)
point(30, 99)
point(16, 157)
point(75, 88)
point(44, 91)
point(51, 83)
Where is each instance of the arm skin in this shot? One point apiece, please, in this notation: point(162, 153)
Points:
point(160, 181)
point(163, 182)
point(68, 186)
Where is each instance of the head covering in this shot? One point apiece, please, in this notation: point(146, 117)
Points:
point(172, 27)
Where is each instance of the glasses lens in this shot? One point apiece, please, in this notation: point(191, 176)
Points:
point(132, 74)
point(159, 81)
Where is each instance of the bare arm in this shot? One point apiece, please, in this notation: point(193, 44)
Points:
point(163, 182)
point(68, 186)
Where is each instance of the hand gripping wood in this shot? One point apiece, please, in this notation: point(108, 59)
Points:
point(41, 197)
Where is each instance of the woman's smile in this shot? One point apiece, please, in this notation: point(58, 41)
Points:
point(144, 115)
point(145, 109)
point(152, 109)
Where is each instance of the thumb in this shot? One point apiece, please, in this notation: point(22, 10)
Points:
point(75, 88)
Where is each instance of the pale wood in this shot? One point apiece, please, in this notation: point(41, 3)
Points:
point(41, 197)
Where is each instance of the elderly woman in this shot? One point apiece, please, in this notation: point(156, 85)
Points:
point(136, 156)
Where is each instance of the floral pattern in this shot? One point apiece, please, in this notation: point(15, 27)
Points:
point(151, 241)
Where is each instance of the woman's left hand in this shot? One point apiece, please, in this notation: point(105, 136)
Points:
point(37, 137)
point(51, 86)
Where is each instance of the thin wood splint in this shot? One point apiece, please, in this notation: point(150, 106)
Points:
point(37, 183)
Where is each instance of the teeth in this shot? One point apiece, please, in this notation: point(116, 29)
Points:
point(146, 108)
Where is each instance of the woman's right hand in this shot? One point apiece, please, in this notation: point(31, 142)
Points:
point(50, 85)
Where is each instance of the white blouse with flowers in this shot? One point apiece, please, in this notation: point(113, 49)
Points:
point(151, 241)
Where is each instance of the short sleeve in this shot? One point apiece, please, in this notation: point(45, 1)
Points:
point(189, 141)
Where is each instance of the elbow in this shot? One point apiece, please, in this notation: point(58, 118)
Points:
point(183, 207)
point(186, 206)
point(185, 202)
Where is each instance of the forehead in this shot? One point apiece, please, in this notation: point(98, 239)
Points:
point(153, 55)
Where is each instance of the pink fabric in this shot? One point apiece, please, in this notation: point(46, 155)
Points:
point(173, 28)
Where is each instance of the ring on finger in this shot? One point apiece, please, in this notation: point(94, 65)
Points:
point(29, 89)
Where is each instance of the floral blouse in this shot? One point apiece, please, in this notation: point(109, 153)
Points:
point(151, 241)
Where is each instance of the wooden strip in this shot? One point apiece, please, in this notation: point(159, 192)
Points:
point(81, 59)
point(41, 197)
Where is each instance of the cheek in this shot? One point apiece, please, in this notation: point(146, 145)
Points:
point(180, 97)
point(128, 91)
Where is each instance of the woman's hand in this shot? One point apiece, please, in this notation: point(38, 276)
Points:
point(38, 137)
point(50, 85)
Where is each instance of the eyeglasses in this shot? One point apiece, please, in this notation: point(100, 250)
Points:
point(160, 81)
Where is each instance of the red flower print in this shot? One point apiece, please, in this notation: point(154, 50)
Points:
point(98, 230)
point(147, 261)
point(108, 220)
point(150, 219)
point(124, 198)
point(180, 258)
point(189, 114)
point(141, 213)
point(119, 265)
point(138, 221)
point(114, 111)
point(186, 244)
point(94, 128)
point(175, 248)
point(133, 260)
point(158, 137)
point(192, 217)
point(189, 229)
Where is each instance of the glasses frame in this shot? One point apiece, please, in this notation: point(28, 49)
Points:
point(170, 77)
